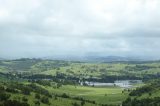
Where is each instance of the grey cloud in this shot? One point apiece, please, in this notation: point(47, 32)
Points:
point(47, 28)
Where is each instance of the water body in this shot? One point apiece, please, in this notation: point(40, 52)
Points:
point(120, 83)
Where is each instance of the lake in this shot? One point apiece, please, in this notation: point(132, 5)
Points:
point(120, 83)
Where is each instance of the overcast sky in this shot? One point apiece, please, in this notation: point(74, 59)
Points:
point(41, 28)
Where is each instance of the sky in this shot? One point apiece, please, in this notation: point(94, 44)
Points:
point(42, 28)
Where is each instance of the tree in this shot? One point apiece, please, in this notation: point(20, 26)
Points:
point(82, 103)
point(24, 99)
point(64, 95)
point(45, 100)
point(4, 96)
point(75, 104)
point(37, 103)
point(37, 96)
point(14, 103)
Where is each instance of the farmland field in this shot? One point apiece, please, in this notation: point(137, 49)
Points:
point(68, 83)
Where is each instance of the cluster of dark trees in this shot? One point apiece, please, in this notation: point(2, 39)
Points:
point(142, 90)
point(149, 88)
point(76, 104)
point(142, 102)
point(4, 98)
point(42, 82)
point(154, 85)
point(72, 80)
point(107, 78)
point(138, 67)
point(59, 78)
point(83, 101)
point(41, 95)
point(14, 103)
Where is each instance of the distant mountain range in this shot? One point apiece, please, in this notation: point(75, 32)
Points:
point(98, 58)
point(1, 59)
point(114, 58)
point(93, 58)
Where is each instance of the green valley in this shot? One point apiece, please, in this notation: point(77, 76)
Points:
point(37, 82)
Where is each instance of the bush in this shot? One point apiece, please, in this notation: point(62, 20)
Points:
point(24, 99)
point(11, 90)
point(37, 96)
point(14, 103)
point(82, 103)
point(26, 92)
point(37, 103)
point(45, 100)
point(75, 104)
point(4, 96)
point(64, 95)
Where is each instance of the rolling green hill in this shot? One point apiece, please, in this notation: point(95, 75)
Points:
point(36, 82)
point(148, 95)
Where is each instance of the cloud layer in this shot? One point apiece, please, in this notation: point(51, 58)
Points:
point(40, 28)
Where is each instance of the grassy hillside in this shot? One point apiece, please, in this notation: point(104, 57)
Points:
point(118, 70)
point(36, 82)
point(107, 95)
point(148, 95)
point(25, 94)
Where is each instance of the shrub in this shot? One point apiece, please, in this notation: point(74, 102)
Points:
point(37, 96)
point(45, 100)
